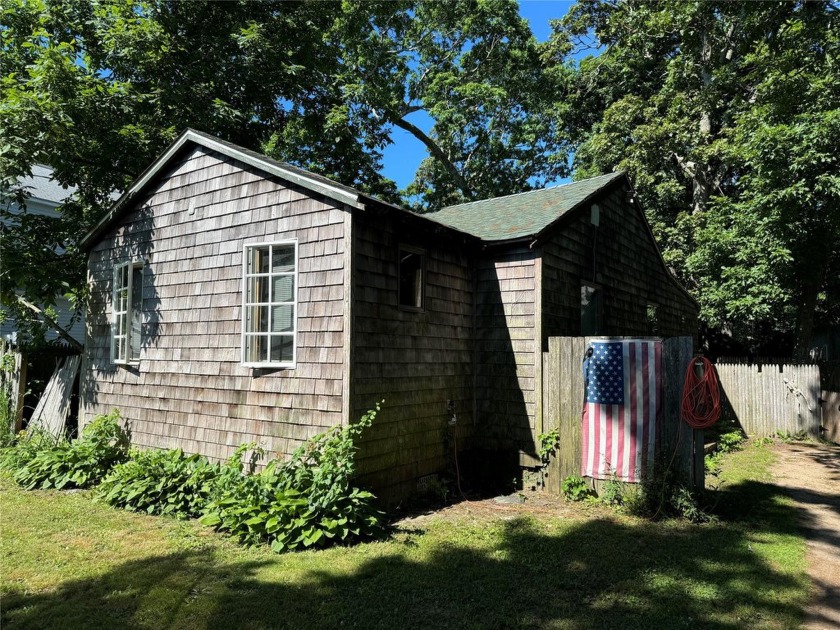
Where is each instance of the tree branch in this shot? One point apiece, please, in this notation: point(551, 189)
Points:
point(52, 323)
point(437, 152)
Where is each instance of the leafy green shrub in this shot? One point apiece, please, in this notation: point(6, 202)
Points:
point(729, 442)
point(161, 482)
point(81, 463)
point(574, 488)
point(661, 495)
point(763, 441)
point(613, 492)
point(304, 502)
point(23, 447)
point(787, 437)
point(549, 443)
point(685, 504)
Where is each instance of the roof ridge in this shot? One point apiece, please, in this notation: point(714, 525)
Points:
point(526, 192)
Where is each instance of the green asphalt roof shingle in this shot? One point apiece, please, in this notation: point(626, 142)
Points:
point(521, 215)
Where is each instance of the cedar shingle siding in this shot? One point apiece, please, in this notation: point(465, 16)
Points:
point(505, 357)
point(189, 388)
point(477, 341)
point(417, 361)
point(626, 266)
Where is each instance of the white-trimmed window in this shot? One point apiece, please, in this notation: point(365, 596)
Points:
point(127, 316)
point(269, 305)
point(411, 270)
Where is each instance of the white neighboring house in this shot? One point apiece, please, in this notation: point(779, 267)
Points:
point(46, 196)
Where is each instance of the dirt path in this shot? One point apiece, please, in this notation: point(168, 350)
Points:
point(811, 474)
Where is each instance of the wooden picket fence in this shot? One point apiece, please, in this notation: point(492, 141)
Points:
point(562, 406)
point(770, 396)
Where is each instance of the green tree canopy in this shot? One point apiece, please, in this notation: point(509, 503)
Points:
point(725, 116)
point(98, 89)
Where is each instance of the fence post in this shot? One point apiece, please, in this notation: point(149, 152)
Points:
point(682, 446)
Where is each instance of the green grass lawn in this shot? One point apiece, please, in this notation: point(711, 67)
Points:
point(69, 562)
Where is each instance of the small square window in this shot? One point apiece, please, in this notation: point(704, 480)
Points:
point(591, 310)
point(411, 278)
point(269, 305)
point(652, 317)
point(127, 315)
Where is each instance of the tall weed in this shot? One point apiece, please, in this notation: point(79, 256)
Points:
point(306, 501)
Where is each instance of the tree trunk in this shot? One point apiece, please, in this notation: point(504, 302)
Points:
point(805, 320)
point(812, 283)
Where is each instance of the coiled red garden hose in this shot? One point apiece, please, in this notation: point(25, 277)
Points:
point(701, 396)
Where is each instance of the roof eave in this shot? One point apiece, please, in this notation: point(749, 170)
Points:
point(373, 201)
point(543, 235)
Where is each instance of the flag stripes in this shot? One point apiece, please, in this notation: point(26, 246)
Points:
point(621, 416)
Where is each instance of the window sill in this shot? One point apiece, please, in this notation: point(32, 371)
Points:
point(411, 309)
point(270, 366)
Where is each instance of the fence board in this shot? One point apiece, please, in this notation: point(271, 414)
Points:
point(564, 390)
point(54, 405)
point(768, 396)
point(681, 446)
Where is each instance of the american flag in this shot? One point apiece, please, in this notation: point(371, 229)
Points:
point(622, 412)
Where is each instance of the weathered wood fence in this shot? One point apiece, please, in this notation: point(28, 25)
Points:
point(563, 389)
point(12, 384)
point(830, 378)
point(769, 396)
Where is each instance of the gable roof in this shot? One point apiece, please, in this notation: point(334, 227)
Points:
point(522, 215)
point(303, 178)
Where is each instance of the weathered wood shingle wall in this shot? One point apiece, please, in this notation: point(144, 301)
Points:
point(621, 257)
point(506, 350)
point(416, 361)
point(189, 389)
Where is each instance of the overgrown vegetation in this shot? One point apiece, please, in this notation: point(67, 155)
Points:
point(613, 492)
point(575, 488)
point(162, 482)
point(40, 461)
point(726, 443)
point(306, 501)
point(662, 494)
point(8, 399)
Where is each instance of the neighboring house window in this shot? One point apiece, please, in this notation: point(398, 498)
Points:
point(411, 277)
point(591, 310)
point(127, 312)
point(270, 304)
point(652, 315)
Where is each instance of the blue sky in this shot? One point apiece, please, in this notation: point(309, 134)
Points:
point(402, 158)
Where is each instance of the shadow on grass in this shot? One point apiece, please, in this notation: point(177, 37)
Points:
point(597, 573)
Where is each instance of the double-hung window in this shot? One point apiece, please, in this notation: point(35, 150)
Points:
point(127, 316)
point(411, 267)
point(269, 304)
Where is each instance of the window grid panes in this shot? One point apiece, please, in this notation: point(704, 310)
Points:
point(270, 309)
point(127, 312)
